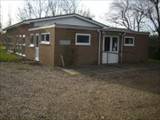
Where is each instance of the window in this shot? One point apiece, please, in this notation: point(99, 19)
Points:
point(31, 40)
point(114, 44)
point(83, 39)
point(37, 40)
point(45, 38)
point(129, 41)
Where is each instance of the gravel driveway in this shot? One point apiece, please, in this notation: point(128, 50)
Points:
point(116, 92)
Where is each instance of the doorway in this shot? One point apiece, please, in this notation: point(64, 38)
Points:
point(110, 50)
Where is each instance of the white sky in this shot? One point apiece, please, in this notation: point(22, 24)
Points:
point(97, 7)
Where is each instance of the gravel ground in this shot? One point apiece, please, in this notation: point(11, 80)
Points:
point(36, 92)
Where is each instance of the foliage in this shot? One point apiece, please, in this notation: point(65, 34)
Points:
point(5, 56)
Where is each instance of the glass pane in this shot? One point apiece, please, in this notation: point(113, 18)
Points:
point(47, 37)
point(115, 44)
point(32, 39)
point(128, 40)
point(37, 40)
point(107, 44)
point(82, 39)
point(42, 38)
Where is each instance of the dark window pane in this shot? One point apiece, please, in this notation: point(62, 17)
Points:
point(37, 40)
point(47, 37)
point(107, 44)
point(128, 40)
point(82, 39)
point(32, 40)
point(42, 38)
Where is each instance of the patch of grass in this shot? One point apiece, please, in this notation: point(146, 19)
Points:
point(5, 56)
point(154, 61)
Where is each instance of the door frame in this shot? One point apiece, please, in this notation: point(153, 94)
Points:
point(111, 42)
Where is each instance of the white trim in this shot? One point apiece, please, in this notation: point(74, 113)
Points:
point(31, 45)
point(23, 35)
point(39, 28)
point(129, 45)
point(76, 27)
point(83, 34)
point(20, 54)
point(45, 33)
point(45, 42)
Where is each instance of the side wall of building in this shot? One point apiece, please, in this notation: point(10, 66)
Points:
point(130, 54)
point(20, 36)
point(73, 54)
point(46, 51)
point(138, 52)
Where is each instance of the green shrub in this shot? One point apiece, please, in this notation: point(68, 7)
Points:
point(5, 56)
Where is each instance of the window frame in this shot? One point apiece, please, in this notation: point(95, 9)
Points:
point(129, 45)
point(83, 34)
point(45, 42)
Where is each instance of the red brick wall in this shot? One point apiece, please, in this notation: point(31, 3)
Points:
point(75, 54)
point(138, 52)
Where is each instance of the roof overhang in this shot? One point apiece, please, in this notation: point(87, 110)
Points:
point(40, 28)
point(123, 31)
point(58, 17)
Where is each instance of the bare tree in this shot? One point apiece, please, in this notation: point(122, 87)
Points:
point(26, 12)
point(70, 6)
point(74, 6)
point(9, 20)
point(153, 14)
point(42, 8)
point(54, 7)
point(127, 14)
point(33, 9)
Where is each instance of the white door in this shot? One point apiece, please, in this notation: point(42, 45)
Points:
point(37, 48)
point(110, 50)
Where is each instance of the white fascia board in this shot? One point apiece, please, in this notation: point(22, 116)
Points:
point(39, 28)
point(76, 27)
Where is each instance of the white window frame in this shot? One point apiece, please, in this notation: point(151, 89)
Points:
point(32, 44)
point(45, 42)
point(82, 34)
point(125, 44)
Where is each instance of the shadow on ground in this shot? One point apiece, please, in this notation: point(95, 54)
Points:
point(144, 77)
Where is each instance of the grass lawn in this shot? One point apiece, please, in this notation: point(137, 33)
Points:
point(154, 61)
point(5, 56)
point(128, 92)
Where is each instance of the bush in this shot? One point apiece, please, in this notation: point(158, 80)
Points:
point(5, 56)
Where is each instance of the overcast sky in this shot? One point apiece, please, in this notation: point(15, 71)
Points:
point(97, 7)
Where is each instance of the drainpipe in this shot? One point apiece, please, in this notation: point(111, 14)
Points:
point(122, 42)
point(99, 47)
